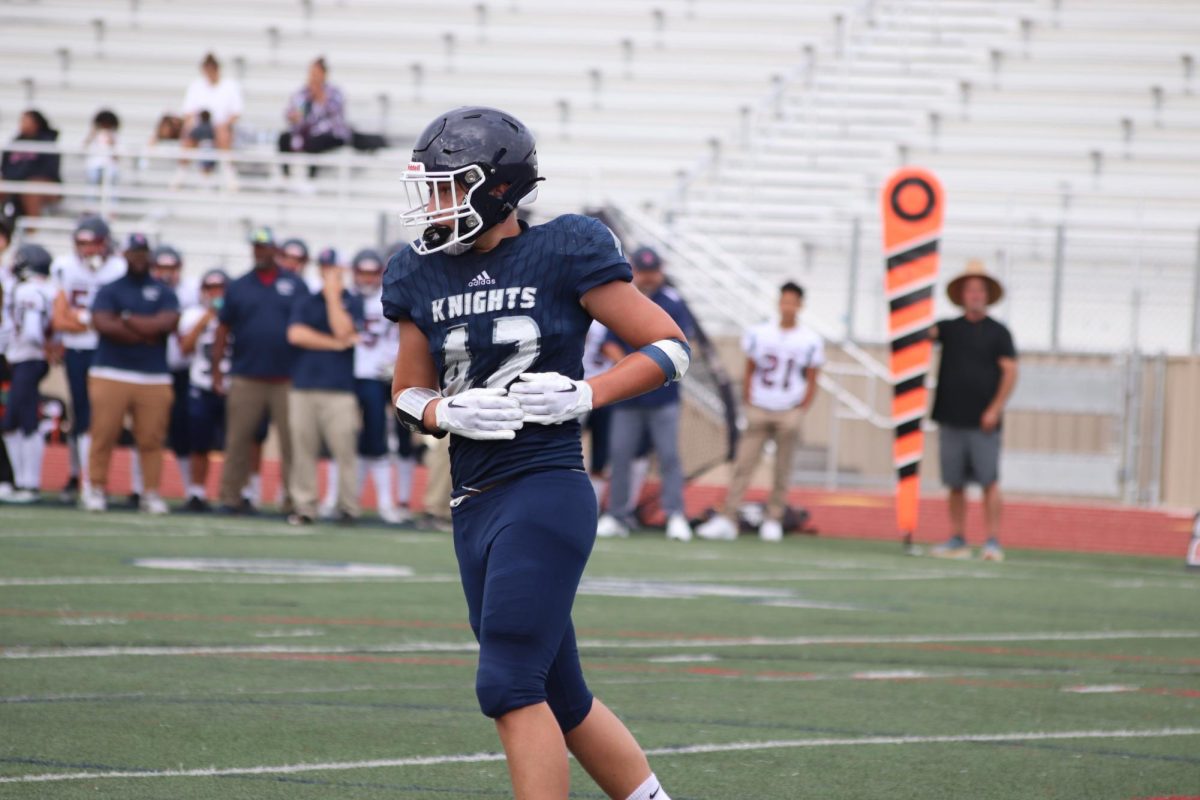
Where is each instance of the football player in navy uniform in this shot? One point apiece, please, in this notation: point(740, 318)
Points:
point(492, 316)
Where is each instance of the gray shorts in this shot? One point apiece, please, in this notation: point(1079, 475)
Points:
point(969, 455)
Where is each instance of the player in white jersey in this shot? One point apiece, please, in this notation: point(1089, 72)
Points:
point(374, 359)
point(31, 307)
point(779, 385)
point(167, 266)
point(78, 276)
point(206, 409)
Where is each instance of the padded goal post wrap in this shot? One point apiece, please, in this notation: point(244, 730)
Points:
point(912, 206)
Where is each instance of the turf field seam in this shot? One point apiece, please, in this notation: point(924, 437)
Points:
point(680, 750)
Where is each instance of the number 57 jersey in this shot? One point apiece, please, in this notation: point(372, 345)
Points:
point(491, 316)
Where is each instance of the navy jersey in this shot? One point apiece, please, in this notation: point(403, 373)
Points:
point(257, 315)
point(330, 370)
point(491, 316)
point(670, 301)
point(142, 296)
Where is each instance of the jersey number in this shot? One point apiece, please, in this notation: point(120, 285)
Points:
point(768, 372)
point(456, 353)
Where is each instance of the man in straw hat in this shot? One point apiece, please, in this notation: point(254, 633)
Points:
point(975, 379)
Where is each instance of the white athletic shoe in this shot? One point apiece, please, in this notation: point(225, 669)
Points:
point(394, 516)
point(94, 500)
point(153, 504)
point(6, 491)
point(718, 529)
point(609, 527)
point(678, 528)
point(21, 496)
point(770, 531)
point(327, 512)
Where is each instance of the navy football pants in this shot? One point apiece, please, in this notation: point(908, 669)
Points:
point(521, 549)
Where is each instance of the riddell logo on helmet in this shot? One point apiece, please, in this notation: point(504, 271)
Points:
point(416, 166)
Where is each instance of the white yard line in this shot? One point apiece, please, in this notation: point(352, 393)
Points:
point(639, 644)
point(723, 747)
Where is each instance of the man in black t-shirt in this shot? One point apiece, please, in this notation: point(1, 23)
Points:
point(975, 379)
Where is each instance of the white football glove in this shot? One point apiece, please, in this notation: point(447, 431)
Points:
point(549, 398)
point(485, 414)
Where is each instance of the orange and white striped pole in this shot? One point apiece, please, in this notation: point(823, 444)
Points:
point(913, 203)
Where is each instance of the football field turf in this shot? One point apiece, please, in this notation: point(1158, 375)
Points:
point(205, 657)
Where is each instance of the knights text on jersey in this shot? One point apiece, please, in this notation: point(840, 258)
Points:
point(491, 316)
point(80, 282)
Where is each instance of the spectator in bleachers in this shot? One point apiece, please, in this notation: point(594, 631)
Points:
point(779, 384)
point(101, 145)
point(323, 328)
point(976, 375)
point(205, 408)
point(31, 309)
point(316, 117)
point(211, 108)
point(655, 414)
point(18, 165)
point(78, 277)
point(256, 312)
point(133, 316)
point(168, 268)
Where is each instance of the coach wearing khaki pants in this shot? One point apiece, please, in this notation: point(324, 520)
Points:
point(780, 382)
point(322, 403)
point(132, 316)
point(255, 316)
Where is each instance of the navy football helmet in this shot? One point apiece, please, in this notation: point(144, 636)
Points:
point(459, 163)
point(31, 259)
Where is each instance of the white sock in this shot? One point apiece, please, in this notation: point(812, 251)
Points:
point(331, 491)
point(599, 484)
point(381, 476)
point(14, 443)
point(404, 477)
point(137, 484)
point(35, 449)
point(253, 489)
point(650, 789)
point(84, 445)
point(637, 480)
point(194, 489)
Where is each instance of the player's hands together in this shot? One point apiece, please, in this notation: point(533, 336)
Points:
point(550, 398)
point(486, 414)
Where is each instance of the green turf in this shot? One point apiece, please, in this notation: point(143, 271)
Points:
point(803, 651)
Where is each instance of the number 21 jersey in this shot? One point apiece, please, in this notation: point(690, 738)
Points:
point(491, 316)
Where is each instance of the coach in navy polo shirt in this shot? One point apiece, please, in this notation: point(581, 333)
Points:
point(258, 307)
point(324, 330)
point(133, 317)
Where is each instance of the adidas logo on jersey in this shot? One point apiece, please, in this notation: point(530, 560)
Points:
point(482, 279)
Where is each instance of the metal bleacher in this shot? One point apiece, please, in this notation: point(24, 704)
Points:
point(753, 133)
point(1064, 132)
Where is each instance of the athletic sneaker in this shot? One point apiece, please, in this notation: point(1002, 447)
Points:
point(70, 492)
point(992, 551)
point(94, 500)
point(394, 516)
point(20, 497)
point(678, 528)
point(771, 531)
point(954, 547)
point(719, 528)
point(151, 503)
point(609, 527)
point(327, 512)
point(299, 520)
point(197, 505)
